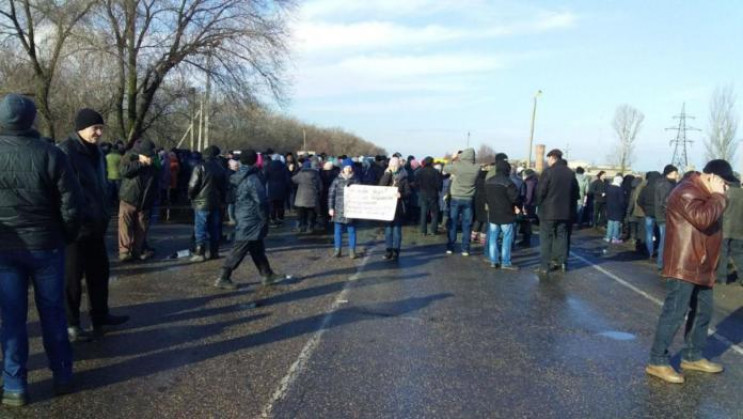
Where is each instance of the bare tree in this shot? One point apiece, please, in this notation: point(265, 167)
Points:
point(41, 28)
point(239, 43)
point(627, 123)
point(485, 154)
point(723, 125)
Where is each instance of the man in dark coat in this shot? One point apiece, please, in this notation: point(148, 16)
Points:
point(207, 191)
point(663, 188)
point(557, 195)
point(694, 233)
point(597, 191)
point(40, 211)
point(309, 190)
point(529, 205)
point(251, 211)
point(278, 184)
point(646, 201)
point(139, 187)
point(87, 256)
point(430, 181)
point(502, 199)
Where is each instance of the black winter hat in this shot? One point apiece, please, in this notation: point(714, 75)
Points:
point(212, 151)
point(722, 169)
point(145, 147)
point(17, 113)
point(249, 157)
point(87, 117)
point(669, 169)
point(501, 157)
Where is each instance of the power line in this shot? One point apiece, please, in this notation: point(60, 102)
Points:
point(680, 151)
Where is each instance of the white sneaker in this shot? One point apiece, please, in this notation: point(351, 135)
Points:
point(449, 252)
point(465, 254)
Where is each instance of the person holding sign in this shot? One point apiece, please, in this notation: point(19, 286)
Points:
point(336, 209)
point(394, 176)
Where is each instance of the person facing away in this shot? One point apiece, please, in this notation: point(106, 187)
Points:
point(251, 213)
point(464, 174)
point(663, 188)
point(87, 257)
point(207, 191)
point(139, 188)
point(557, 194)
point(40, 213)
point(692, 251)
point(430, 182)
point(336, 209)
point(598, 192)
point(616, 204)
point(502, 198)
point(307, 199)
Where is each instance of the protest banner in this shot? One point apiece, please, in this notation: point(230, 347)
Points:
point(366, 202)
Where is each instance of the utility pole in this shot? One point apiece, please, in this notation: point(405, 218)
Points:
point(208, 99)
point(680, 154)
point(531, 135)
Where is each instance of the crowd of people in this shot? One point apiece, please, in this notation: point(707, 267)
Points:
point(56, 202)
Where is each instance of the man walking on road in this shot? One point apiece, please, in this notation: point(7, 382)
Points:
point(251, 211)
point(692, 251)
point(557, 195)
point(464, 173)
point(207, 190)
point(40, 204)
point(87, 256)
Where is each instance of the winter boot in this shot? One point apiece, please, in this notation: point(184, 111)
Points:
point(224, 282)
point(337, 253)
point(395, 255)
point(214, 251)
point(198, 254)
point(388, 254)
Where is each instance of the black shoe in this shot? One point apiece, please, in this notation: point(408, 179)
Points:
point(225, 284)
point(388, 254)
point(78, 335)
point(395, 255)
point(273, 278)
point(112, 320)
point(15, 399)
point(60, 389)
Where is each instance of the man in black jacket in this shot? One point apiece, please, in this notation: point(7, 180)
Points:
point(40, 204)
point(557, 195)
point(598, 191)
point(87, 256)
point(207, 190)
point(503, 199)
point(663, 190)
point(139, 186)
point(646, 201)
point(429, 181)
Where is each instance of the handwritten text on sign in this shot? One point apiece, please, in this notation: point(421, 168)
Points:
point(370, 202)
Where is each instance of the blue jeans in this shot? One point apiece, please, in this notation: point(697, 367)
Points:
point(206, 227)
point(649, 232)
point(682, 296)
point(612, 230)
point(662, 229)
point(45, 268)
point(393, 235)
point(579, 213)
point(339, 227)
point(463, 207)
point(494, 231)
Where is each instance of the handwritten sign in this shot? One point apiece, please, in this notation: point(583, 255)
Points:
point(370, 202)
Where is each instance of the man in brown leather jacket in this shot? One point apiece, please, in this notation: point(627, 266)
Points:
point(692, 250)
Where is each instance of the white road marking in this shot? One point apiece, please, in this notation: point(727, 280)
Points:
point(309, 348)
point(712, 330)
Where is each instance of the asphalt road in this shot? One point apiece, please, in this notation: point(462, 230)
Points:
point(431, 336)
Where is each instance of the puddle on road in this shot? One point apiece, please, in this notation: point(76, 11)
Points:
point(617, 335)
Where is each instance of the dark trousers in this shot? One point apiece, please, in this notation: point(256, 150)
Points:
point(599, 214)
point(429, 205)
point(277, 210)
point(553, 238)
point(731, 249)
point(683, 297)
point(87, 258)
point(307, 218)
point(257, 251)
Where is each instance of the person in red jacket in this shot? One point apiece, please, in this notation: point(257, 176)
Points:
point(691, 252)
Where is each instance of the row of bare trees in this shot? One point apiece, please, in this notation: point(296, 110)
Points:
point(143, 64)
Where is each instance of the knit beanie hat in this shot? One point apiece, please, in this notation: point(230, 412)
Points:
point(347, 163)
point(144, 147)
point(87, 117)
point(248, 157)
point(669, 169)
point(17, 113)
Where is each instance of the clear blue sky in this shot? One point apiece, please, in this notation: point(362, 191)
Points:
point(415, 76)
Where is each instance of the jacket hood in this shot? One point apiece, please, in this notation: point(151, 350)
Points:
point(468, 155)
point(653, 176)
